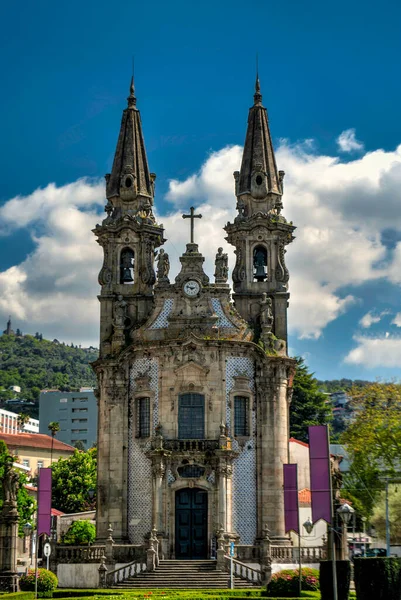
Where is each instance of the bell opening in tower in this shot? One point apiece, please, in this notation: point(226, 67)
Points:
point(260, 263)
point(127, 262)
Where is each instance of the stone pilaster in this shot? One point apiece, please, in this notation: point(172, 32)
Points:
point(8, 547)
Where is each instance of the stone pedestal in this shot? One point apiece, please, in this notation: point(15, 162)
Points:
point(8, 547)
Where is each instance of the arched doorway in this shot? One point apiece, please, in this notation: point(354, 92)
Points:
point(191, 524)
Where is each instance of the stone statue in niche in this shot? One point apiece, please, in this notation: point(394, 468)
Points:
point(221, 266)
point(10, 483)
point(266, 313)
point(163, 266)
point(120, 312)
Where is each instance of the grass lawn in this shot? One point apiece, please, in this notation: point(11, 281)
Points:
point(158, 594)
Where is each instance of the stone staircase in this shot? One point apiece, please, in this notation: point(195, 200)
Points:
point(176, 574)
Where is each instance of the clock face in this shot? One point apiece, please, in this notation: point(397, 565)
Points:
point(191, 288)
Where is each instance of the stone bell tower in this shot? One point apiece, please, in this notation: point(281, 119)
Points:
point(128, 235)
point(260, 232)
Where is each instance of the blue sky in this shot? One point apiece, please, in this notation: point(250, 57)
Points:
point(325, 69)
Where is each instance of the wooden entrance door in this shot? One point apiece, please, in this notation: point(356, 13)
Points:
point(191, 524)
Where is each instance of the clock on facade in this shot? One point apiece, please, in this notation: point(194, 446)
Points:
point(191, 288)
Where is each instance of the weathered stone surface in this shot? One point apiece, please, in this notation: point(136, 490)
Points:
point(162, 340)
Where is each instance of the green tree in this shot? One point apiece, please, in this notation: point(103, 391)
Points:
point(80, 532)
point(308, 406)
point(72, 479)
point(79, 445)
point(378, 519)
point(23, 419)
point(53, 427)
point(26, 505)
point(373, 441)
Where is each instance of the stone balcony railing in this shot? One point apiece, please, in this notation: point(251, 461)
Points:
point(290, 554)
point(190, 445)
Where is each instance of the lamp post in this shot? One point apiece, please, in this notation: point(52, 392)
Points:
point(308, 526)
point(346, 513)
point(27, 529)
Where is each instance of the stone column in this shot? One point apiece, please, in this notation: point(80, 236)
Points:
point(273, 448)
point(222, 496)
point(8, 546)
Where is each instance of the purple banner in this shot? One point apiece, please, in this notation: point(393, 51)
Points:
point(319, 462)
point(291, 513)
point(44, 501)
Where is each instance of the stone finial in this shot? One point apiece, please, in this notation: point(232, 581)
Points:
point(131, 98)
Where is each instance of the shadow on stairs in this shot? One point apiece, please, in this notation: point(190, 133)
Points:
point(184, 574)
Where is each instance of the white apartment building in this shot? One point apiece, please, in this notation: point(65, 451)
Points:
point(9, 423)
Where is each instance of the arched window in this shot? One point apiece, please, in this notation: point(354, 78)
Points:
point(191, 471)
point(142, 409)
point(241, 420)
point(260, 263)
point(127, 261)
point(191, 417)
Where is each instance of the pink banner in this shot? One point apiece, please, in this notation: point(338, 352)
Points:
point(319, 461)
point(291, 513)
point(44, 501)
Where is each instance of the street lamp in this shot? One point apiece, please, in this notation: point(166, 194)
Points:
point(345, 511)
point(308, 525)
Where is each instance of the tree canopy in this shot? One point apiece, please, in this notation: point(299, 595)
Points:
point(72, 478)
point(373, 440)
point(35, 364)
point(80, 532)
point(26, 505)
point(309, 406)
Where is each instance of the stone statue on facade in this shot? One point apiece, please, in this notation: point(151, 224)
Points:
point(221, 266)
point(163, 266)
point(120, 312)
point(266, 313)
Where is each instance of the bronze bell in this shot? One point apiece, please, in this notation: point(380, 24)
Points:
point(260, 273)
point(126, 275)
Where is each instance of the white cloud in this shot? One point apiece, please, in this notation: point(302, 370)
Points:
point(373, 352)
point(371, 318)
point(347, 141)
point(54, 289)
point(397, 320)
point(339, 208)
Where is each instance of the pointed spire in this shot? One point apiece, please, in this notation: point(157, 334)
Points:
point(258, 155)
point(131, 98)
point(257, 95)
point(130, 174)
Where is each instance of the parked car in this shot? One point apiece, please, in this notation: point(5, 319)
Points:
point(375, 552)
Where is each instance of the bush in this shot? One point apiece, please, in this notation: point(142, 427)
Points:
point(47, 581)
point(285, 583)
point(343, 569)
point(378, 578)
point(80, 532)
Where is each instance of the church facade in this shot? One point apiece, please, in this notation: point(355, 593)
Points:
point(194, 380)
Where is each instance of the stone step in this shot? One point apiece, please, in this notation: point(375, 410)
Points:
point(182, 574)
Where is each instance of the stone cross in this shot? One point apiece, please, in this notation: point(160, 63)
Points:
point(192, 216)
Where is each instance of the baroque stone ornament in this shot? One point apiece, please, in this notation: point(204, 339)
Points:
point(282, 273)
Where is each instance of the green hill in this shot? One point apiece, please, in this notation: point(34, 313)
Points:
point(35, 364)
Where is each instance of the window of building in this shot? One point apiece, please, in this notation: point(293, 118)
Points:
point(25, 462)
point(143, 417)
point(191, 417)
point(80, 399)
point(40, 464)
point(63, 400)
point(191, 471)
point(79, 420)
point(241, 415)
point(79, 431)
point(64, 408)
point(75, 410)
